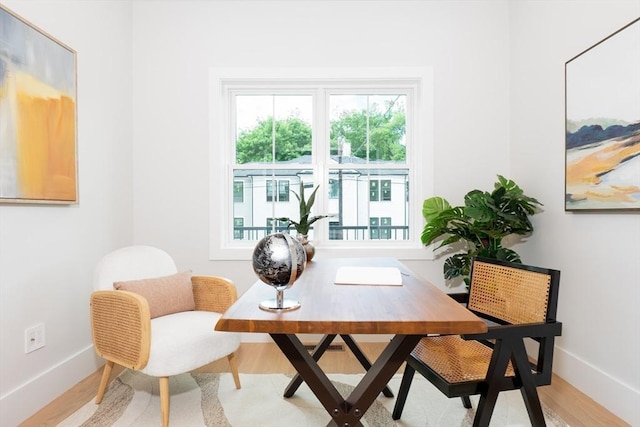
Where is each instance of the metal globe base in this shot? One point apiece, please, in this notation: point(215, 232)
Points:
point(279, 303)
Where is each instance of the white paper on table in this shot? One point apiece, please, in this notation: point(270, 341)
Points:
point(389, 276)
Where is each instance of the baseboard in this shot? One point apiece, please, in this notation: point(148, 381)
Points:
point(610, 392)
point(20, 403)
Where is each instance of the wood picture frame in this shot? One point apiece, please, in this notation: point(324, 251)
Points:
point(602, 119)
point(38, 115)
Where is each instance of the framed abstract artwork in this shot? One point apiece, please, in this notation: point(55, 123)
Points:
point(38, 115)
point(602, 135)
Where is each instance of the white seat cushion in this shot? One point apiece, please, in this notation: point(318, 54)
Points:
point(184, 341)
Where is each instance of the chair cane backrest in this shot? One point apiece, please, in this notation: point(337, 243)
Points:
point(512, 293)
point(132, 263)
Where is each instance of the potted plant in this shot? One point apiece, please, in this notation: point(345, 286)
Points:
point(303, 224)
point(480, 225)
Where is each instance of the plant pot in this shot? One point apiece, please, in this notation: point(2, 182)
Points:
point(306, 244)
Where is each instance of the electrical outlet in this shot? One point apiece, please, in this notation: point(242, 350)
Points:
point(34, 338)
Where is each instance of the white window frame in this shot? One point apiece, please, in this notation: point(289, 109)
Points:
point(222, 80)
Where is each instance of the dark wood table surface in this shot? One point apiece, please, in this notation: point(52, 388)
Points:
point(408, 312)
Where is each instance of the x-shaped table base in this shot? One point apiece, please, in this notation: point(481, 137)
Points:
point(319, 350)
point(346, 412)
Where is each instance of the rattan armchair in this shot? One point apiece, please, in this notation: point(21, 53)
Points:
point(125, 333)
point(519, 302)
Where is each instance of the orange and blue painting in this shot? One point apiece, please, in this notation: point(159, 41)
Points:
point(37, 115)
point(603, 124)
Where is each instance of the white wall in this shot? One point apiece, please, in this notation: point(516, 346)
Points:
point(176, 42)
point(598, 253)
point(498, 70)
point(47, 253)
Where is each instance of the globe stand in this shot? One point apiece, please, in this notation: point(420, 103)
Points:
point(279, 303)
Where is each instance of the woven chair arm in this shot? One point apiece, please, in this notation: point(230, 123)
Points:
point(530, 330)
point(121, 327)
point(212, 293)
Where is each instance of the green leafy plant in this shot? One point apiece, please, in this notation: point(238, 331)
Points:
point(480, 225)
point(303, 225)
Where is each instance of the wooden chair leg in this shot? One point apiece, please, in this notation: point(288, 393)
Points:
point(104, 382)
point(466, 401)
point(234, 369)
point(405, 384)
point(164, 400)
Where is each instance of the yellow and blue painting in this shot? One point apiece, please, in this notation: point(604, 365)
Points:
point(603, 124)
point(37, 115)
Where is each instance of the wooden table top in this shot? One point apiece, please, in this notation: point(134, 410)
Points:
point(415, 308)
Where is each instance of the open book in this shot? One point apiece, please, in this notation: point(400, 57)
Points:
point(389, 276)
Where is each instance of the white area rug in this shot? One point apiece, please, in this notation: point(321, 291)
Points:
point(212, 400)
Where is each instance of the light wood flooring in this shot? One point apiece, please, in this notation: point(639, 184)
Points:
point(574, 407)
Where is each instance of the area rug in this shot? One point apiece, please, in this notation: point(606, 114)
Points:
point(212, 400)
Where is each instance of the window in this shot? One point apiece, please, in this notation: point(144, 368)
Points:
point(238, 228)
point(380, 228)
point(334, 188)
point(374, 190)
point(283, 191)
point(386, 190)
point(238, 192)
point(357, 137)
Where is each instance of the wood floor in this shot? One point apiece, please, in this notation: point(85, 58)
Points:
point(574, 407)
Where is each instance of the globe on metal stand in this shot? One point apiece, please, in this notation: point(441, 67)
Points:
point(278, 261)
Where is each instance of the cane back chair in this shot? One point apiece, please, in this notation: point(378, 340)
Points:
point(127, 332)
point(519, 304)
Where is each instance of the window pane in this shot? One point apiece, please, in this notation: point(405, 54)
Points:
point(238, 192)
point(374, 228)
point(238, 228)
point(368, 127)
point(259, 138)
point(357, 217)
point(334, 189)
point(386, 190)
point(374, 195)
point(269, 184)
point(283, 191)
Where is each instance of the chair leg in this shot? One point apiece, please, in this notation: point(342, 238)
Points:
point(466, 402)
point(488, 398)
point(104, 382)
point(403, 392)
point(164, 400)
point(234, 369)
point(528, 389)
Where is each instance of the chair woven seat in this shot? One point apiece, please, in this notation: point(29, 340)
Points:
point(455, 359)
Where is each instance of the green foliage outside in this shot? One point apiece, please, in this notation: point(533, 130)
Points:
point(386, 132)
point(293, 137)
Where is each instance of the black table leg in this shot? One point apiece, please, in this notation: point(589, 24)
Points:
point(319, 350)
point(317, 353)
point(347, 411)
point(362, 358)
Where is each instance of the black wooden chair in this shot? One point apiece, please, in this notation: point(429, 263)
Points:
point(519, 302)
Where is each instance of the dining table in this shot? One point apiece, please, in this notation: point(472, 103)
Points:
point(407, 312)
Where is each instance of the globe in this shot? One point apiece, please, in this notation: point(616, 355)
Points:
point(279, 260)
